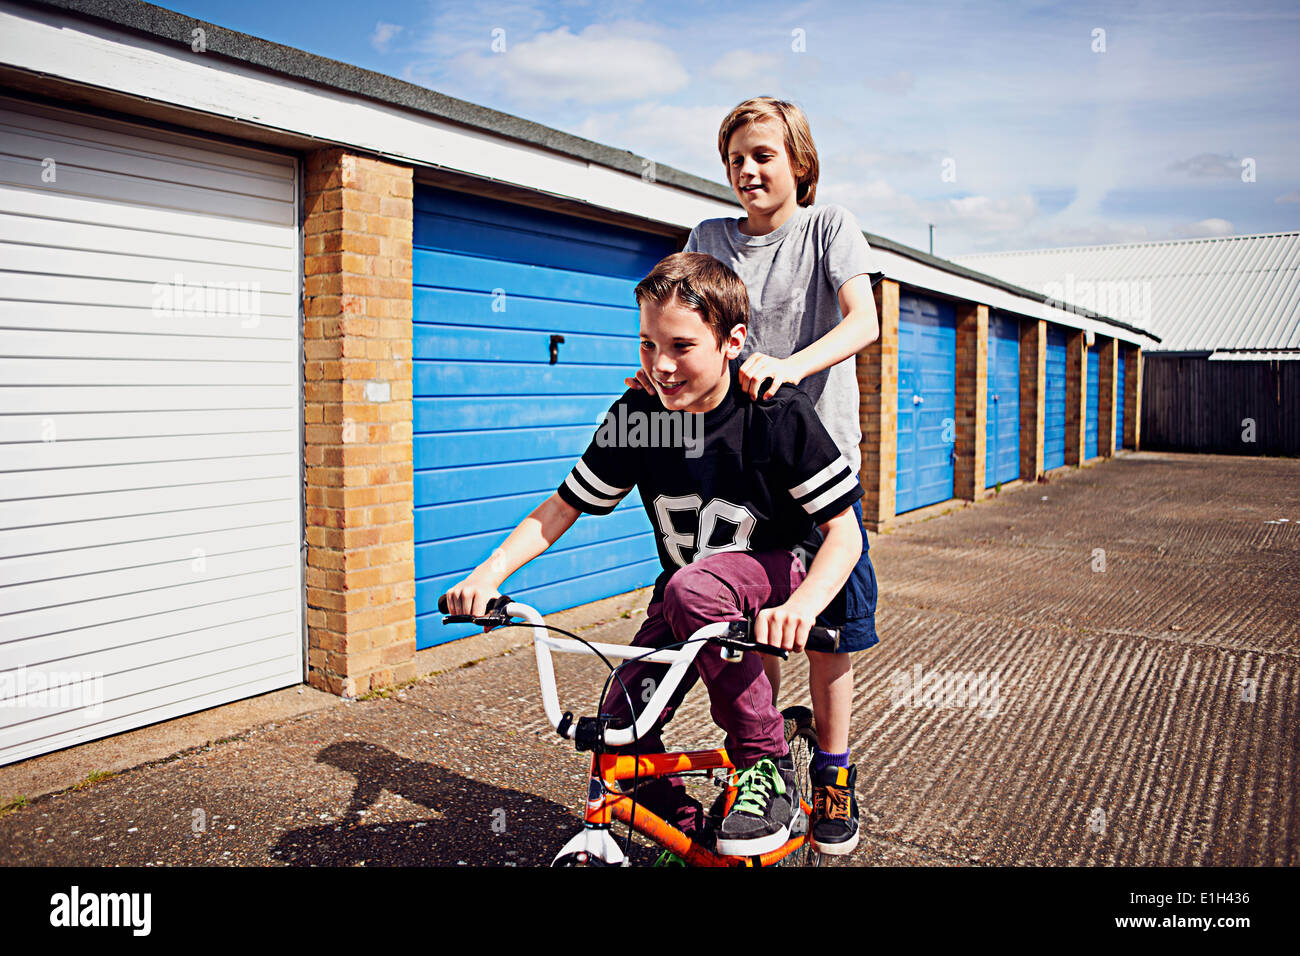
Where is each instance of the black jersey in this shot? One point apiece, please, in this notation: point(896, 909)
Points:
point(746, 476)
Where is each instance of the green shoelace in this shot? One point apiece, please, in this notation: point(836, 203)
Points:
point(755, 784)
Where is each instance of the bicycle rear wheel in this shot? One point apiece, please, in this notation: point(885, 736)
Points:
point(802, 740)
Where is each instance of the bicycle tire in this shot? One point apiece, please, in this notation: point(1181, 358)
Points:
point(801, 737)
point(578, 859)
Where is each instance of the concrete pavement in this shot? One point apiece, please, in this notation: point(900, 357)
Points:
point(1100, 670)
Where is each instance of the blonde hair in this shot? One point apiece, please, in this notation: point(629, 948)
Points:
point(799, 145)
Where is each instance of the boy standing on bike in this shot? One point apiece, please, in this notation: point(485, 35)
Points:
point(728, 510)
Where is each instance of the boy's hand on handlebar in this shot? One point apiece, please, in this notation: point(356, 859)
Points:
point(785, 627)
point(470, 598)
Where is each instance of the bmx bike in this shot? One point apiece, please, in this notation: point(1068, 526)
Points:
point(607, 797)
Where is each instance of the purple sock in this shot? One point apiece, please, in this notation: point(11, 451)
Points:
point(822, 759)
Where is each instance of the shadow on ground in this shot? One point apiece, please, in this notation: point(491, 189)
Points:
point(471, 823)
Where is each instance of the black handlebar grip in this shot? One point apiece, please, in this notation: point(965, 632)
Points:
point(825, 639)
point(492, 604)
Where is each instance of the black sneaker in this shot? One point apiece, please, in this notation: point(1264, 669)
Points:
point(835, 810)
point(759, 821)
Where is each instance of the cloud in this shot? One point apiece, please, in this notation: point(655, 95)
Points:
point(454, 29)
point(1208, 166)
point(972, 222)
point(875, 202)
point(1205, 228)
point(897, 160)
point(681, 136)
point(1055, 236)
point(989, 214)
point(383, 35)
point(741, 66)
point(605, 63)
point(1292, 196)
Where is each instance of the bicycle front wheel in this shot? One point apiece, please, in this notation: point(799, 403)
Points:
point(802, 740)
point(581, 858)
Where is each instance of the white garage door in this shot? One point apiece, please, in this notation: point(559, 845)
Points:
point(150, 447)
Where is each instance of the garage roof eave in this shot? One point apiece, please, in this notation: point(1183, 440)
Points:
point(1039, 298)
point(173, 27)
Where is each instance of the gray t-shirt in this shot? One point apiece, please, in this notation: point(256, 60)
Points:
point(794, 276)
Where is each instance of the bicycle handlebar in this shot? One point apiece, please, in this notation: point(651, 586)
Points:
point(824, 639)
point(494, 605)
point(728, 634)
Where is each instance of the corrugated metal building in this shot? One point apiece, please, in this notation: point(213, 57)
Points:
point(289, 345)
point(1226, 375)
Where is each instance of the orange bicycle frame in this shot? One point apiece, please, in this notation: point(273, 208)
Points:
point(607, 802)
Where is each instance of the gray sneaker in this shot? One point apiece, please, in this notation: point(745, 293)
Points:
point(767, 801)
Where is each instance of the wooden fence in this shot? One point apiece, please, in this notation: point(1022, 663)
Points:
point(1235, 407)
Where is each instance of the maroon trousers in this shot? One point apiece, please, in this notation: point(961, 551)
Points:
point(724, 587)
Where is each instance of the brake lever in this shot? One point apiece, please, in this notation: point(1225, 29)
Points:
point(732, 651)
point(737, 641)
point(496, 619)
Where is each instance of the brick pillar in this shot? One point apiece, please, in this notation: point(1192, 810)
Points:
point(1076, 394)
point(972, 400)
point(1033, 395)
point(357, 334)
point(1107, 369)
point(877, 366)
point(1133, 399)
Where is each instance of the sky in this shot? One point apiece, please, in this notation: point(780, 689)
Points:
point(1006, 125)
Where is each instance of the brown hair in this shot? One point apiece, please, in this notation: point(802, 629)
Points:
point(798, 140)
point(701, 283)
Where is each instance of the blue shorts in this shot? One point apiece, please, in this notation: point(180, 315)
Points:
point(853, 610)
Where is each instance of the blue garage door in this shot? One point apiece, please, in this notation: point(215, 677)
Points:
point(1054, 401)
point(1092, 413)
point(1119, 403)
point(927, 402)
point(497, 426)
point(1002, 445)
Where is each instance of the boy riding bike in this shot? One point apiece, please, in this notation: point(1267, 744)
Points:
point(728, 510)
point(807, 268)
